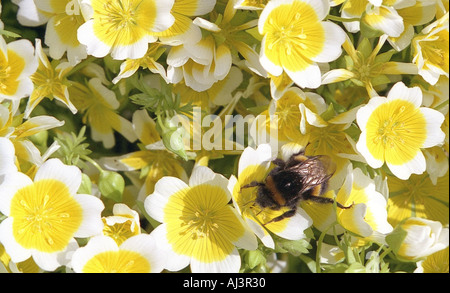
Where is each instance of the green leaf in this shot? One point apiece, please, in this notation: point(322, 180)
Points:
point(255, 258)
point(111, 185)
point(384, 57)
point(365, 47)
point(73, 147)
point(328, 113)
point(294, 247)
point(396, 238)
point(337, 268)
point(310, 263)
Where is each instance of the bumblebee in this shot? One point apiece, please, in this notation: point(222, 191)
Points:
point(299, 178)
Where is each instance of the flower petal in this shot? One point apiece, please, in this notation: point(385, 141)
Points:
point(10, 183)
point(334, 38)
point(14, 249)
point(92, 208)
point(417, 165)
point(308, 77)
point(174, 261)
point(164, 188)
point(231, 264)
point(56, 170)
point(435, 135)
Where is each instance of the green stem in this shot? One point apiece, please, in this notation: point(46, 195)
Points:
point(159, 120)
point(442, 105)
point(385, 252)
point(94, 163)
point(336, 239)
point(9, 34)
point(319, 246)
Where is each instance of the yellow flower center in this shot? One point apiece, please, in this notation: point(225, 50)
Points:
point(8, 73)
point(45, 216)
point(122, 261)
point(395, 132)
point(435, 51)
point(200, 223)
point(123, 22)
point(293, 35)
point(120, 231)
point(45, 79)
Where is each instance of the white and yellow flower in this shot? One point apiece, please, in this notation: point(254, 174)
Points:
point(291, 113)
point(198, 227)
point(209, 60)
point(137, 254)
point(296, 39)
point(98, 105)
point(379, 15)
point(46, 213)
point(123, 224)
point(396, 128)
point(183, 29)
point(17, 64)
point(254, 165)
point(415, 238)
point(123, 27)
point(220, 93)
point(19, 133)
point(420, 13)
point(431, 50)
point(200, 64)
point(367, 216)
point(65, 18)
point(28, 13)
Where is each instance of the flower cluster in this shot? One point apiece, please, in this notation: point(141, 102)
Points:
point(143, 135)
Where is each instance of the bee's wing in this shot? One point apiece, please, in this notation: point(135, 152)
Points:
point(314, 171)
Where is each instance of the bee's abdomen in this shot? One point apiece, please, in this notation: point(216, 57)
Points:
point(274, 192)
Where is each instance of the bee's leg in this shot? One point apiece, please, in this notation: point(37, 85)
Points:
point(343, 207)
point(319, 199)
point(287, 214)
point(253, 184)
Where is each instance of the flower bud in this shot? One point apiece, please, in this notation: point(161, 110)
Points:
point(172, 137)
point(415, 238)
point(111, 185)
